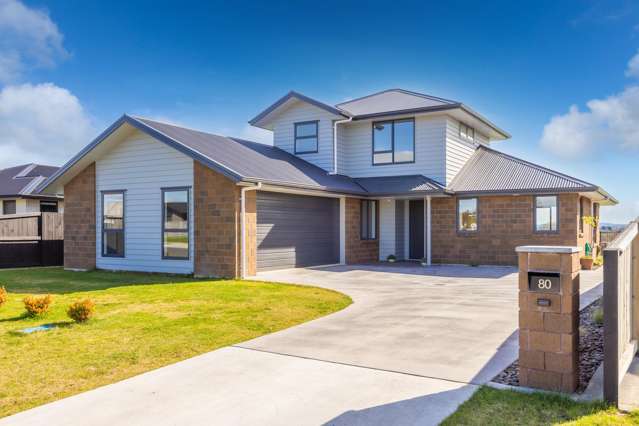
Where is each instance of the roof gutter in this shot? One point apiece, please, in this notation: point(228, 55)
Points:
point(243, 223)
point(335, 123)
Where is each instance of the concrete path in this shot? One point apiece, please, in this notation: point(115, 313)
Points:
point(415, 344)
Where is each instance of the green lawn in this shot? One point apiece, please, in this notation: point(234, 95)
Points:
point(142, 322)
point(498, 407)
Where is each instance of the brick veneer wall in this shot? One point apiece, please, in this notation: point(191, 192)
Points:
point(505, 222)
point(358, 250)
point(586, 236)
point(79, 220)
point(217, 225)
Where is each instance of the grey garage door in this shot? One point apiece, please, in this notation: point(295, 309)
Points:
point(296, 231)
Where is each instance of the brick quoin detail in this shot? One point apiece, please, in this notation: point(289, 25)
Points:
point(79, 220)
point(358, 250)
point(505, 222)
point(217, 224)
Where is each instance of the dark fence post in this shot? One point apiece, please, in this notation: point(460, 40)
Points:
point(611, 325)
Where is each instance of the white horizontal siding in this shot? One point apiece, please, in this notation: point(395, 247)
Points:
point(284, 132)
point(458, 151)
point(142, 166)
point(387, 243)
point(430, 157)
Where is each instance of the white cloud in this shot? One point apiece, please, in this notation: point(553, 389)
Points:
point(633, 66)
point(28, 38)
point(41, 123)
point(256, 134)
point(610, 121)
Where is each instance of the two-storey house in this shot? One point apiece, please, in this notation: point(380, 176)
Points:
point(18, 190)
point(393, 173)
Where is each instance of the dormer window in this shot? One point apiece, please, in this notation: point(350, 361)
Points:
point(466, 132)
point(306, 137)
point(394, 142)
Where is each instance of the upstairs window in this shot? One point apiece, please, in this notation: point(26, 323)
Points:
point(306, 137)
point(466, 132)
point(394, 142)
point(175, 223)
point(546, 214)
point(9, 207)
point(368, 220)
point(467, 214)
point(113, 224)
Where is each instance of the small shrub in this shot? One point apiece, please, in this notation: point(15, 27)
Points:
point(37, 305)
point(391, 258)
point(81, 311)
point(598, 316)
point(3, 296)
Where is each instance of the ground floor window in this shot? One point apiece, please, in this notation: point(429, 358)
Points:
point(9, 207)
point(368, 220)
point(546, 219)
point(113, 224)
point(175, 223)
point(467, 214)
point(48, 206)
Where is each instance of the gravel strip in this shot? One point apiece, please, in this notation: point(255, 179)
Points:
point(590, 350)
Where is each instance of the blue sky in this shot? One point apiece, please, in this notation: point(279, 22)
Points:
point(214, 66)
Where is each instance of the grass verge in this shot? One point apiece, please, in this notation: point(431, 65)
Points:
point(505, 407)
point(142, 322)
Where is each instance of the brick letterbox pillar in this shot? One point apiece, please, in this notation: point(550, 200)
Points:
point(549, 317)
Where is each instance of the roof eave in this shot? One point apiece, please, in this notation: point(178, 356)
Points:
point(540, 191)
point(437, 108)
point(406, 111)
point(484, 120)
point(284, 184)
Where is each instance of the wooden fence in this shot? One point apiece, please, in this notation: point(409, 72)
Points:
point(621, 309)
point(32, 239)
point(606, 237)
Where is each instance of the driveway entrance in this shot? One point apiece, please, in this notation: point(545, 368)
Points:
point(454, 323)
point(415, 344)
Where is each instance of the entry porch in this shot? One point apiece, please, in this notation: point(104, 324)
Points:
point(405, 226)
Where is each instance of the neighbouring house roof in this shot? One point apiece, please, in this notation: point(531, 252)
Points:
point(23, 180)
point(377, 105)
point(493, 172)
point(400, 185)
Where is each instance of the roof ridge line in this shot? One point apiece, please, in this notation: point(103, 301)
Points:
point(399, 89)
point(25, 171)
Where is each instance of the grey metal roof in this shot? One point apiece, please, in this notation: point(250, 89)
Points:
point(252, 161)
point(400, 185)
point(393, 100)
point(290, 95)
point(493, 172)
point(24, 179)
point(487, 172)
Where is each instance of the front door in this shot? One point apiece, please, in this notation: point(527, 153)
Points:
point(416, 229)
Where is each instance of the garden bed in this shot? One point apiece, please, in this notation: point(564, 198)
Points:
point(590, 350)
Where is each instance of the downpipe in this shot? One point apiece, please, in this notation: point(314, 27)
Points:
point(335, 123)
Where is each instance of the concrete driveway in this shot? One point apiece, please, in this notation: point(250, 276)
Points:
point(415, 344)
